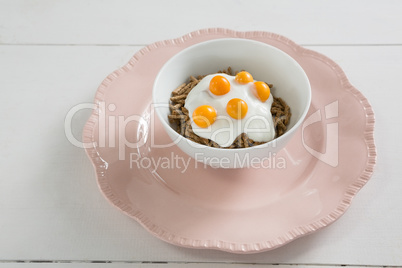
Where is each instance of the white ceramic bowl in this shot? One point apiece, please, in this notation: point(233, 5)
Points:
point(264, 62)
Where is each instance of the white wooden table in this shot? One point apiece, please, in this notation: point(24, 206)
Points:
point(53, 56)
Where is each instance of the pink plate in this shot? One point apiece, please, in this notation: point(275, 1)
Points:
point(306, 186)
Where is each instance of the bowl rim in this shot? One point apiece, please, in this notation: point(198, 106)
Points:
point(272, 142)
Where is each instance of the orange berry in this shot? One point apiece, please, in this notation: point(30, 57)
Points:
point(204, 116)
point(237, 108)
point(262, 90)
point(244, 77)
point(219, 85)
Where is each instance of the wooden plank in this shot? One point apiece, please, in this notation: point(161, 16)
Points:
point(51, 208)
point(144, 22)
point(159, 265)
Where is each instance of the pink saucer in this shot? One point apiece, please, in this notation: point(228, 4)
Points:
point(306, 186)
